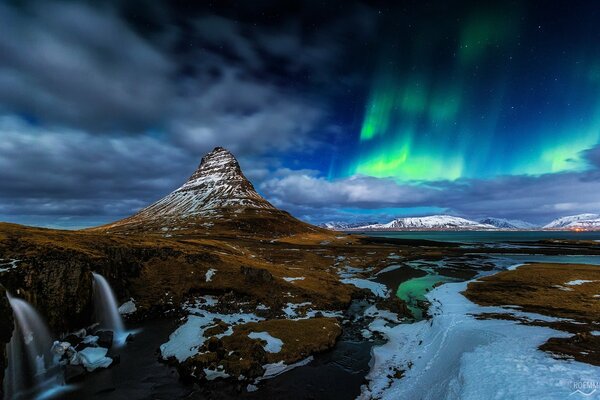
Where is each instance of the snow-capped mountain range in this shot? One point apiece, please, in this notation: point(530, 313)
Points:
point(580, 221)
point(432, 222)
point(507, 223)
point(448, 222)
point(342, 226)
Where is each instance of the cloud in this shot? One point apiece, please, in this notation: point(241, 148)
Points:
point(534, 198)
point(247, 116)
point(71, 172)
point(70, 64)
point(593, 156)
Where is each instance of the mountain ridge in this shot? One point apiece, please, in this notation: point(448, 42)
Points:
point(578, 221)
point(217, 197)
point(431, 222)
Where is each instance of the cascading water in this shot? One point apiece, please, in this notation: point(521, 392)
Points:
point(107, 312)
point(31, 370)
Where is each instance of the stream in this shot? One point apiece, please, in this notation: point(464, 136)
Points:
point(338, 373)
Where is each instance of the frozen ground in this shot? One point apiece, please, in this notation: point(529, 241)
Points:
point(185, 341)
point(455, 356)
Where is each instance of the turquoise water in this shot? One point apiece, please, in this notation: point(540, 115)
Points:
point(487, 236)
point(413, 291)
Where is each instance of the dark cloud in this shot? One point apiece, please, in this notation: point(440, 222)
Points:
point(70, 64)
point(593, 157)
point(534, 198)
point(46, 172)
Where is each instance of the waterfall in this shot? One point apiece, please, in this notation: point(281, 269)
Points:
point(107, 312)
point(31, 368)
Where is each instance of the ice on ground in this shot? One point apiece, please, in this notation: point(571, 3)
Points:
point(595, 333)
point(189, 337)
point(367, 334)
point(387, 315)
point(348, 272)
point(251, 388)
point(578, 282)
point(389, 268)
point(212, 374)
point(275, 369)
point(7, 265)
point(91, 339)
point(200, 303)
point(128, 307)
point(289, 279)
point(209, 274)
point(456, 356)
point(273, 345)
point(291, 311)
point(93, 358)
point(377, 289)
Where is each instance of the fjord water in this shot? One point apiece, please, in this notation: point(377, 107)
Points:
point(31, 370)
point(107, 311)
point(487, 236)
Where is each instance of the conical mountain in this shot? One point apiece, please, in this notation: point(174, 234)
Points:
point(216, 199)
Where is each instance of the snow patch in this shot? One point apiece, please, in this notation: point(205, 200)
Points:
point(128, 307)
point(7, 265)
point(212, 374)
point(273, 344)
point(289, 279)
point(189, 337)
point(209, 274)
point(273, 370)
point(578, 282)
point(377, 289)
point(92, 358)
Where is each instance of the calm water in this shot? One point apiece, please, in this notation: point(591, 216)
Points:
point(487, 236)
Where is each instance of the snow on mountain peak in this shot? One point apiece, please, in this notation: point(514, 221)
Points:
point(217, 183)
point(507, 223)
point(583, 221)
point(432, 222)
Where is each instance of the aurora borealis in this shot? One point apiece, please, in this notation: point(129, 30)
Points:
point(359, 110)
point(489, 93)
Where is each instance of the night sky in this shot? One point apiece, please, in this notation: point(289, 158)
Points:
point(351, 111)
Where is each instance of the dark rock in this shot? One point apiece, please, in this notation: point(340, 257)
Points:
point(73, 339)
point(116, 359)
point(74, 373)
point(105, 338)
point(256, 275)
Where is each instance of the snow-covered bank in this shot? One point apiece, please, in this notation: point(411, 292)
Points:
point(185, 341)
point(455, 356)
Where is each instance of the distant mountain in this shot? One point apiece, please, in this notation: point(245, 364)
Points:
point(580, 221)
point(507, 223)
point(217, 198)
point(433, 222)
point(343, 226)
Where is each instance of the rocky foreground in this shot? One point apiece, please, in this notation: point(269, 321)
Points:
point(254, 290)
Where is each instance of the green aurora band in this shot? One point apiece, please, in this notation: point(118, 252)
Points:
point(423, 123)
